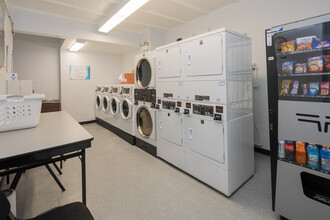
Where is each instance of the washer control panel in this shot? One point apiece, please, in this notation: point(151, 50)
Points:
point(147, 95)
point(206, 110)
point(106, 89)
point(209, 111)
point(168, 104)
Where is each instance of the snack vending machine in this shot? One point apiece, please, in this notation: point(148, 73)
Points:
point(298, 74)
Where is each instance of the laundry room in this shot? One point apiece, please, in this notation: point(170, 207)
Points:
point(164, 109)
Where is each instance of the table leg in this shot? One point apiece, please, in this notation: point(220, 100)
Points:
point(55, 178)
point(16, 180)
point(83, 172)
point(8, 177)
point(57, 168)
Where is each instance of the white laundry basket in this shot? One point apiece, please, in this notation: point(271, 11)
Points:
point(18, 112)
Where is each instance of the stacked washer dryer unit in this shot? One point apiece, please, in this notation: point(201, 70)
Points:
point(216, 90)
point(127, 107)
point(98, 101)
point(145, 98)
point(169, 105)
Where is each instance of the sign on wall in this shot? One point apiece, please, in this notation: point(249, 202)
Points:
point(80, 72)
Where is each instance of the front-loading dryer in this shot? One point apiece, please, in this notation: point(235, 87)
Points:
point(145, 120)
point(170, 131)
point(145, 74)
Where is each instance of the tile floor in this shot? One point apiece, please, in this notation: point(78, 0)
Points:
point(124, 182)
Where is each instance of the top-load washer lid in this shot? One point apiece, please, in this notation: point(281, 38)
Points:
point(98, 101)
point(126, 109)
point(144, 122)
point(105, 103)
point(143, 73)
point(114, 104)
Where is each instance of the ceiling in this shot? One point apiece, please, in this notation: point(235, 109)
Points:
point(158, 14)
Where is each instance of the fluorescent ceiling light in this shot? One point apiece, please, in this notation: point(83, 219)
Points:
point(77, 45)
point(129, 8)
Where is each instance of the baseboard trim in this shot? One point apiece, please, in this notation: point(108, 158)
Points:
point(262, 151)
point(123, 135)
point(87, 122)
point(149, 148)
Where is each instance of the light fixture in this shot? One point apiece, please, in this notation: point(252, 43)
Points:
point(77, 45)
point(129, 8)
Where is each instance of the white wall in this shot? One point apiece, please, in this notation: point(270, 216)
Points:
point(8, 41)
point(128, 61)
point(78, 95)
point(38, 58)
point(155, 38)
point(254, 17)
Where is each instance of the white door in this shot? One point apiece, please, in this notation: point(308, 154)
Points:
point(126, 109)
point(202, 57)
point(170, 126)
point(114, 105)
point(105, 103)
point(168, 62)
point(98, 101)
point(144, 73)
point(205, 137)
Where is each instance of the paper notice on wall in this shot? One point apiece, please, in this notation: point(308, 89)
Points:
point(80, 72)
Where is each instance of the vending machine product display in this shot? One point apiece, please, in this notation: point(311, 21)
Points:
point(298, 71)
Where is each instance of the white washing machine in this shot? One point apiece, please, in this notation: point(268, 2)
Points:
point(98, 101)
point(145, 120)
point(126, 112)
point(112, 116)
point(145, 73)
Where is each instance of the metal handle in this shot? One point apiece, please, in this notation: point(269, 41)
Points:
point(190, 133)
point(189, 60)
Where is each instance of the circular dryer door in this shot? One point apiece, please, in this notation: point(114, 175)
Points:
point(143, 73)
point(114, 105)
point(98, 101)
point(144, 122)
point(126, 109)
point(105, 103)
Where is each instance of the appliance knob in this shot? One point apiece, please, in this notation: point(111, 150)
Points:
point(177, 110)
point(156, 106)
point(186, 112)
point(217, 117)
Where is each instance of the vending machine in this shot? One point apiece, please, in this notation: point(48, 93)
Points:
point(298, 74)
